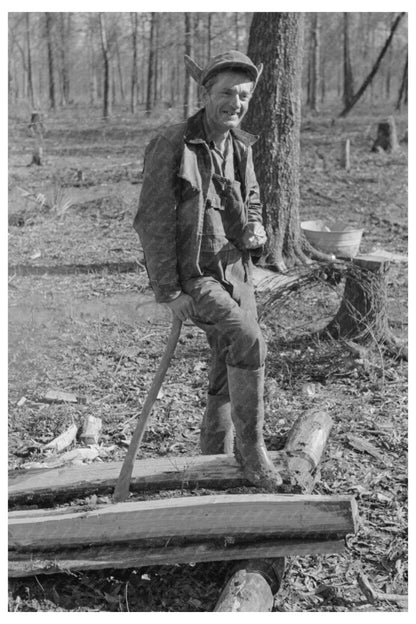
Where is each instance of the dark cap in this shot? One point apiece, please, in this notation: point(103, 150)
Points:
point(233, 59)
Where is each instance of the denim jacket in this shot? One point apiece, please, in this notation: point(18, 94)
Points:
point(169, 220)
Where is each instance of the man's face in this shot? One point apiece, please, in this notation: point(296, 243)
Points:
point(227, 100)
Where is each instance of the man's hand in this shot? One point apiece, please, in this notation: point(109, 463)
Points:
point(254, 236)
point(183, 307)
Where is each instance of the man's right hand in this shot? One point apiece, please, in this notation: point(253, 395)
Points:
point(183, 307)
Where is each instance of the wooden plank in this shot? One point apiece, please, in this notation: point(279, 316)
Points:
point(186, 518)
point(109, 556)
point(205, 471)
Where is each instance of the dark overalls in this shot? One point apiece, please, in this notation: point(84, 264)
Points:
point(224, 295)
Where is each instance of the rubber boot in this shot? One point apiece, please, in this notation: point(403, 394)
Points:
point(247, 412)
point(217, 433)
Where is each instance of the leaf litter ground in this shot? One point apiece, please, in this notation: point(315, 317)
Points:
point(98, 334)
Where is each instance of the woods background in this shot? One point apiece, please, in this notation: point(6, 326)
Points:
point(115, 62)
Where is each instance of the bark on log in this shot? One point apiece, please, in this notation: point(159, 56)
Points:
point(252, 590)
point(52, 485)
point(121, 556)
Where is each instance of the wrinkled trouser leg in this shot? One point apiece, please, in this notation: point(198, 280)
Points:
point(236, 376)
point(234, 336)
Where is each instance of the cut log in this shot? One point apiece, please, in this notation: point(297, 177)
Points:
point(252, 586)
point(253, 590)
point(308, 437)
point(185, 519)
point(169, 473)
point(112, 556)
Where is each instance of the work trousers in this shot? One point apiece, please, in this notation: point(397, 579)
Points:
point(226, 311)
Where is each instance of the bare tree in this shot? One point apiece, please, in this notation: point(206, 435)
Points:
point(150, 65)
point(348, 91)
point(106, 65)
point(29, 63)
point(134, 68)
point(188, 90)
point(403, 86)
point(51, 70)
point(314, 63)
point(374, 69)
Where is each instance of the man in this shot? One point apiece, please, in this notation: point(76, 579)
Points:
point(198, 218)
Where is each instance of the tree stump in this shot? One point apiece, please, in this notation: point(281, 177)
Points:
point(36, 128)
point(386, 136)
point(362, 315)
point(36, 124)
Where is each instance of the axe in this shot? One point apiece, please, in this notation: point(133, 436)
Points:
point(121, 491)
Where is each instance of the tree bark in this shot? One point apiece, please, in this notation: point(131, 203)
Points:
point(51, 70)
point(374, 70)
point(348, 92)
point(275, 113)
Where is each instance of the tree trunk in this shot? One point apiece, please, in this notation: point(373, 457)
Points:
point(29, 63)
point(106, 66)
point(209, 35)
point(348, 92)
point(237, 31)
point(150, 66)
point(373, 72)
point(51, 72)
point(188, 89)
point(275, 113)
point(134, 68)
point(315, 62)
point(403, 86)
point(120, 72)
point(64, 32)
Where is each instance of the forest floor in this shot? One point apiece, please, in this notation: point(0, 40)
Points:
point(82, 319)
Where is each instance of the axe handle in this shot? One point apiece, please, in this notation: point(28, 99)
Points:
point(122, 488)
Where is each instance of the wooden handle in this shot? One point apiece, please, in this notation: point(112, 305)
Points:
point(121, 491)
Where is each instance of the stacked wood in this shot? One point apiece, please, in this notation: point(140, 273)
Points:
point(170, 525)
